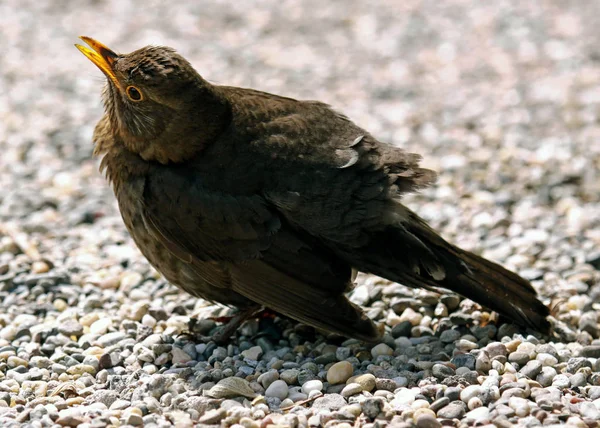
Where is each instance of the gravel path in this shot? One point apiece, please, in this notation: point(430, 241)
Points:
point(501, 97)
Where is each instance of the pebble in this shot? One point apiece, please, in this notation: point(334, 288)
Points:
point(179, 356)
point(372, 407)
point(268, 378)
point(339, 372)
point(469, 392)
point(449, 336)
point(381, 349)
point(351, 389)
point(366, 381)
point(451, 411)
point(531, 369)
point(478, 414)
point(427, 421)
point(253, 353)
point(101, 326)
point(312, 385)
point(329, 402)
point(278, 389)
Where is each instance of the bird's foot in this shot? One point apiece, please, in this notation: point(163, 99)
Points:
point(232, 323)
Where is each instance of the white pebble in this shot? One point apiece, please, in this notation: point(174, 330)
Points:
point(403, 396)
point(312, 385)
point(420, 404)
point(474, 403)
point(470, 392)
point(547, 359)
point(101, 326)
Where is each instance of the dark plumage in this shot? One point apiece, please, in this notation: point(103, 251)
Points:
point(248, 198)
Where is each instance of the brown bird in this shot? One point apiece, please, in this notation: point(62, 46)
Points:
point(256, 200)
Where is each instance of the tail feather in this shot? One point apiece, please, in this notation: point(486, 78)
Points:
point(411, 253)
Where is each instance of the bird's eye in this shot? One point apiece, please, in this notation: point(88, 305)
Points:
point(134, 93)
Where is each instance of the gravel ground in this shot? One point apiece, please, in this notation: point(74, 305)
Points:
point(502, 98)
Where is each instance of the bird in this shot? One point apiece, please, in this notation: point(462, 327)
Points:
point(255, 200)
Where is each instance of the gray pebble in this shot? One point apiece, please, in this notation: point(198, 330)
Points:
point(453, 410)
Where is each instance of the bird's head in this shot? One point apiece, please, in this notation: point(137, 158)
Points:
point(156, 103)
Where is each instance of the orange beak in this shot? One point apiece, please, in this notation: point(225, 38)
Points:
point(103, 57)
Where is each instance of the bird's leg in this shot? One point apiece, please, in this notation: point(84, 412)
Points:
point(232, 324)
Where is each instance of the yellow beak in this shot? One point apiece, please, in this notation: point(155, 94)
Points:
point(103, 57)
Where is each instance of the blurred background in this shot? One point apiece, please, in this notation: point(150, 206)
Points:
point(502, 98)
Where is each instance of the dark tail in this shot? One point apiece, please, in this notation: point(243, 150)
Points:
point(411, 253)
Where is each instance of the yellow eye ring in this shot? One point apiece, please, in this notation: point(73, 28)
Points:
point(134, 94)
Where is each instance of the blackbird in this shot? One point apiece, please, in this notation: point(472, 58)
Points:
point(256, 200)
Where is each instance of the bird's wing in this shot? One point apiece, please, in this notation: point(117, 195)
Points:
point(344, 187)
point(265, 259)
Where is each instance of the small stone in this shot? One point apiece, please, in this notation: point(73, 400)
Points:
point(253, 353)
point(381, 349)
point(426, 420)
point(339, 372)
point(449, 336)
point(465, 345)
point(521, 358)
point(213, 417)
point(366, 381)
point(452, 393)
point(519, 405)
point(329, 402)
point(479, 414)
point(439, 403)
point(312, 385)
point(591, 351)
point(546, 376)
point(134, 419)
point(70, 420)
point(578, 380)
point(268, 378)
point(464, 360)
point(546, 359)
point(351, 389)
point(402, 329)
point(470, 392)
point(402, 397)
point(278, 389)
point(561, 381)
point(39, 267)
point(385, 384)
point(101, 326)
point(120, 404)
point(371, 407)
point(179, 356)
point(130, 279)
point(14, 361)
point(60, 305)
point(474, 403)
point(110, 339)
point(452, 411)
point(442, 371)
point(589, 410)
point(495, 349)
point(70, 328)
point(531, 369)
point(290, 376)
point(483, 364)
